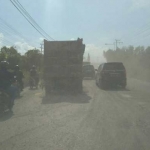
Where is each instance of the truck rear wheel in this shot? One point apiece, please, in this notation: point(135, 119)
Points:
point(124, 86)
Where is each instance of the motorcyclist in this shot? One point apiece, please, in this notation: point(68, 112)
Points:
point(19, 75)
point(7, 81)
point(34, 75)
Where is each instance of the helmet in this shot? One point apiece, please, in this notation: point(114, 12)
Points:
point(16, 67)
point(4, 64)
point(33, 67)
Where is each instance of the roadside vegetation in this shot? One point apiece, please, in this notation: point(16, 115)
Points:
point(25, 61)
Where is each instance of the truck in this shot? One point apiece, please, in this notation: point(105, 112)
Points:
point(63, 62)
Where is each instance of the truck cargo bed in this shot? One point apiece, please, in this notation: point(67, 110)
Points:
point(63, 65)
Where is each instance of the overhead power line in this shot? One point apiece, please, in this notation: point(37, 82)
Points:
point(111, 44)
point(139, 32)
point(4, 31)
point(5, 38)
point(25, 11)
point(115, 44)
point(26, 18)
point(143, 31)
point(11, 28)
point(2, 40)
point(26, 15)
point(8, 29)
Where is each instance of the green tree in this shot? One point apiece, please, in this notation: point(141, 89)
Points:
point(11, 55)
point(33, 57)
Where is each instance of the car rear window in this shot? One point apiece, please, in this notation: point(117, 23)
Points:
point(88, 67)
point(114, 66)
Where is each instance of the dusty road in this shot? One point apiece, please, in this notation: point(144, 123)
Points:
point(96, 120)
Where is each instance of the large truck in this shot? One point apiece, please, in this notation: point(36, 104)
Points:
point(63, 62)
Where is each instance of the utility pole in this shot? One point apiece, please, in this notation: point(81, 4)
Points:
point(111, 44)
point(117, 42)
point(41, 47)
point(41, 56)
point(88, 58)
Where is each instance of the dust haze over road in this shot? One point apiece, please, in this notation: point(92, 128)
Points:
point(95, 119)
point(135, 59)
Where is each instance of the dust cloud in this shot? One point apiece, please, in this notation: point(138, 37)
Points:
point(135, 59)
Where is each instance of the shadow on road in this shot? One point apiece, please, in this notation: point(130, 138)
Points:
point(88, 78)
point(114, 88)
point(117, 89)
point(70, 98)
point(19, 97)
point(6, 115)
point(34, 89)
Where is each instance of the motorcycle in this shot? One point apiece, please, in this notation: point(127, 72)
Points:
point(18, 86)
point(5, 102)
point(33, 83)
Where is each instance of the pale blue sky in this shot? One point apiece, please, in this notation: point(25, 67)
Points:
point(96, 21)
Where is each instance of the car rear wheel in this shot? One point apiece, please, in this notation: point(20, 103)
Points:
point(102, 85)
point(93, 76)
point(96, 82)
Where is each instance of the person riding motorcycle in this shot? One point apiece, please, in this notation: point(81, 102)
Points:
point(19, 76)
point(34, 76)
point(7, 81)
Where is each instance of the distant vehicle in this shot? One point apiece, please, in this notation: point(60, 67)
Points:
point(89, 71)
point(111, 74)
point(86, 63)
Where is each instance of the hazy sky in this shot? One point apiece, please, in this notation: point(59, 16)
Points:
point(96, 21)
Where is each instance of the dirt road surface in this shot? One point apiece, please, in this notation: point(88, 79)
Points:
point(115, 119)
